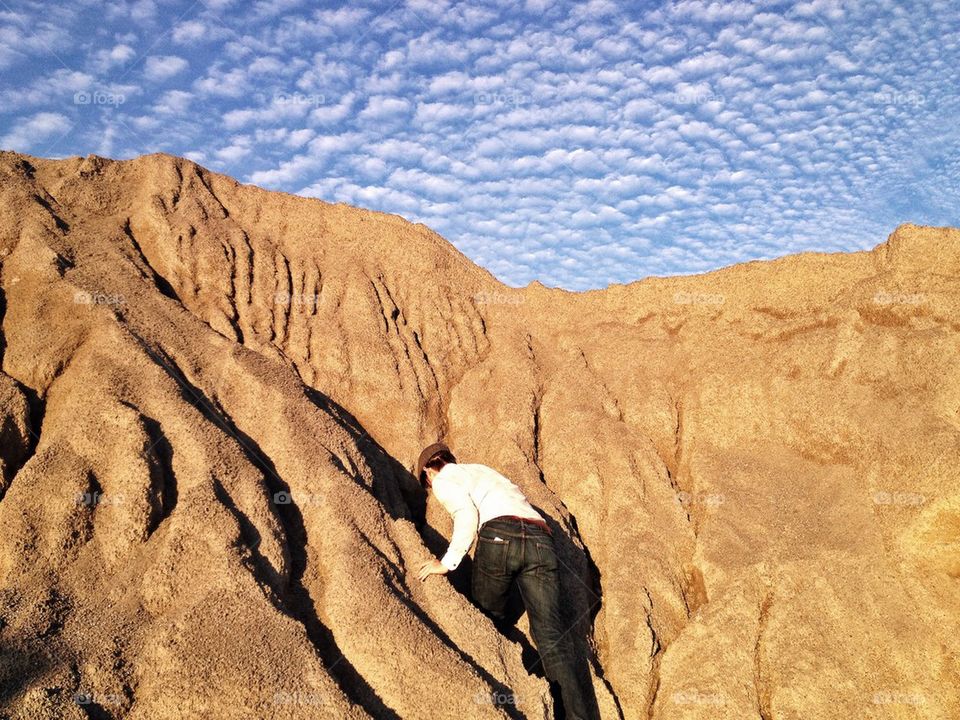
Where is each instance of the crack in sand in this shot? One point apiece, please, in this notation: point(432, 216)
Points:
point(762, 692)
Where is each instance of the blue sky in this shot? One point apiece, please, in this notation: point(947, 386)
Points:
point(578, 144)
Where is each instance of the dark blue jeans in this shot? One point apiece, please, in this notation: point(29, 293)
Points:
point(508, 551)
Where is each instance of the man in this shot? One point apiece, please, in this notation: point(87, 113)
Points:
point(514, 544)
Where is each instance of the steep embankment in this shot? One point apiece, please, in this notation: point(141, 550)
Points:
point(211, 396)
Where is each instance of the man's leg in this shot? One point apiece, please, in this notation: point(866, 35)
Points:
point(539, 581)
point(492, 572)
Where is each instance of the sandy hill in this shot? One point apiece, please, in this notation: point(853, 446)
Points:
point(211, 397)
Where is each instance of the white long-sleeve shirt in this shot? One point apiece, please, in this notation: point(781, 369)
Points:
point(472, 494)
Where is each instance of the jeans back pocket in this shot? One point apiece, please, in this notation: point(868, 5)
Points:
point(491, 556)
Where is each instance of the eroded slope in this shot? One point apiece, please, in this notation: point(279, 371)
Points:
point(755, 469)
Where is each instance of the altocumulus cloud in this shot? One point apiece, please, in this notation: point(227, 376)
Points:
point(575, 143)
point(164, 67)
point(36, 128)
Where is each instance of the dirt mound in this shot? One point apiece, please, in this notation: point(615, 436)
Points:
point(211, 396)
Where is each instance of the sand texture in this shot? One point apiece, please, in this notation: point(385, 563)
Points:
point(212, 395)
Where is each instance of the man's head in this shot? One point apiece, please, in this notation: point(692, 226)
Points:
point(431, 461)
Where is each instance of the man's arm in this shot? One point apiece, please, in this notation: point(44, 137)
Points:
point(457, 501)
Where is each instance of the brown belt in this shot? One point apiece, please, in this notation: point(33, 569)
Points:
point(532, 521)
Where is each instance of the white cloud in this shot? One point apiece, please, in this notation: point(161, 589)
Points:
point(164, 67)
point(380, 107)
point(713, 11)
point(119, 54)
point(234, 152)
point(431, 184)
point(266, 66)
point(143, 10)
point(60, 88)
point(344, 18)
point(107, 141)
point(841, 61)
point(289, 171)
point(22, 36)
point(190, 31)
point(298, 138)
point(319, 150)
point(174, 102)
point(27, 133)
point(219, 83)
point(662, 75)
point(327, 114)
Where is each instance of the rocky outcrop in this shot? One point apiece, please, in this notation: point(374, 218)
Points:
point(211, 397)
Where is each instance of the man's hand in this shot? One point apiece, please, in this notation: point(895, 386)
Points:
point(431, 567)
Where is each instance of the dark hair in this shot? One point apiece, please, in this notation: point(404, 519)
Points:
point(437, 462)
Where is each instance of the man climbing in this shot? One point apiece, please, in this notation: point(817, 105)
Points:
point(514, 544)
